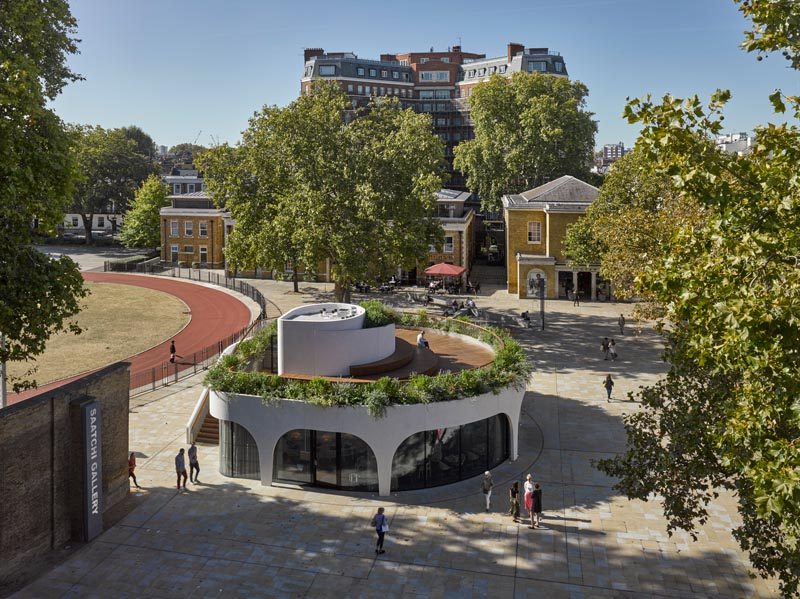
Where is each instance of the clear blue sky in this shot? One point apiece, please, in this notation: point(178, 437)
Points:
point(179, 68)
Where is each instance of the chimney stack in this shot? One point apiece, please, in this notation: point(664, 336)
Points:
point(514, 49)
point(309, 53)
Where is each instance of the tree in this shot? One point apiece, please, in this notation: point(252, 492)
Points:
point(305, 186)
point(187, 147)
point(777, 25)
point(37, 294)
point(144, 143)
point(109, 171)
point(727, 416)
point(143, 222)
point(529, 129)
point(631, 224)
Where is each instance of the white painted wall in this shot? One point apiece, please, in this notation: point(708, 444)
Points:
point(328, 347)
point(268, 423)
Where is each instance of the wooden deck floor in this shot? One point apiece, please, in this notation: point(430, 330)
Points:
point(453, 353)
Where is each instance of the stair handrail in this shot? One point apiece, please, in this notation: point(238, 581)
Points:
point(198, 416)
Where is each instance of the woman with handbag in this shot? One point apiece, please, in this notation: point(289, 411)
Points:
point(381, 524)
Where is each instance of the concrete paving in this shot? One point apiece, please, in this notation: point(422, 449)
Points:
point(233, 537)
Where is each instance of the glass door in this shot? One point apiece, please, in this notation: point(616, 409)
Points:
point(326, 471)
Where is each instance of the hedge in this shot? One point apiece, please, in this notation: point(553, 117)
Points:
point(509, 368)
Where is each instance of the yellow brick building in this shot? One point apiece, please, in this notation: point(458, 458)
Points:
point(193, 230)
point(536, 223)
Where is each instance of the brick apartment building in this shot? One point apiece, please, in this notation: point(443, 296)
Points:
point(437, 83)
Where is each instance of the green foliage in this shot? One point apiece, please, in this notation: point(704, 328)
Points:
point(305, 186)
point(776, 25)
point(377, 314)
point(632, 224)
point(728, 413)
point(109, 170)
point(142, 225)
point(37, 294)
point(510, 368)
point(187, 147)
point(529, 129)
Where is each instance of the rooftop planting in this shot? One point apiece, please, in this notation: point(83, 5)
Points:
point(509, 368)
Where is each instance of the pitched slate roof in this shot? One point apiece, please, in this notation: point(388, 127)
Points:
point(565, 194)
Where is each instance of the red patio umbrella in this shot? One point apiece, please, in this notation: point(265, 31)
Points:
point(444, 270)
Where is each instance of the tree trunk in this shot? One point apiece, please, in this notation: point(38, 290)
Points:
point(294, 281)
point(341, 291)
point(87, 226)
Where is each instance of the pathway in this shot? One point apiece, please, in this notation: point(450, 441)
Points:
point(232, 537)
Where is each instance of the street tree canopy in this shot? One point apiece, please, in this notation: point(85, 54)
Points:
point(109, 169)
point(38, 294)
point(529, 129)
point(307, 185)
point(777, 28)
point(727, 415)
point(142, 226)
point(631, 224)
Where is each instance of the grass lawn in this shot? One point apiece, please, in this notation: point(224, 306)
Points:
point(118, 321)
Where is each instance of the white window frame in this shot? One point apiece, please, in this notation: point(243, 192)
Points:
point(534, 232)
point(188, 228)
point(360, 71)
point(174, 250)
point(349, 88)
point(423, 59)
point(203, 224)
point(559, 67)
point(101, 221)
point(395, 75)
point(373, 72)
point(203, 250)
point(360, 89)
point(174, 229)
point(190, 188)
point(448, 248)
point(176, 188)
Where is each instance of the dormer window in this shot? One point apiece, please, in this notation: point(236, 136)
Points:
point(327, 70)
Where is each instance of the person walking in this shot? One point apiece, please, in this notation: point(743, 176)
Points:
point(513, 500)
point(621, 323)
point(486, 488)
point(604, 348)
point(576, 298)
point(180, 468)
point(172, 354)
point(194, 465)
point(132, 468)
point(612, 349)
point(609, 385)
point(529, 497)
point(536, 519)
point(381, 524)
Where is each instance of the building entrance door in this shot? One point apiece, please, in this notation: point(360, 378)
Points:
point(564, 284)
point(585, 285)
point(326, 471)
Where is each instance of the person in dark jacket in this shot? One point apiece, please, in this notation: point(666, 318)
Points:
point(513, 499)
point(537, 506)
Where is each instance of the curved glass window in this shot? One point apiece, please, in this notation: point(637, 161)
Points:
point(325, 459)
point(238, 452)
point(442, 456)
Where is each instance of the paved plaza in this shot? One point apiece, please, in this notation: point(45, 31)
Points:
point(235, 538)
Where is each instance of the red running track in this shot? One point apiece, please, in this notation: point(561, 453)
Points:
point(214, 316)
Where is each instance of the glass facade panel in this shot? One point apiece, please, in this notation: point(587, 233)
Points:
point(326, 473)
point(293, 457)
point(358, 468)
point(238, 453)
point(473, 449)
point(443, 456)
point(409, 464)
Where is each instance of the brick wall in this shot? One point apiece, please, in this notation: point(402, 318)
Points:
point(212, 241)
point(41, 465)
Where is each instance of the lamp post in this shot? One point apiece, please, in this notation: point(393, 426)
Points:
point(541, 301)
